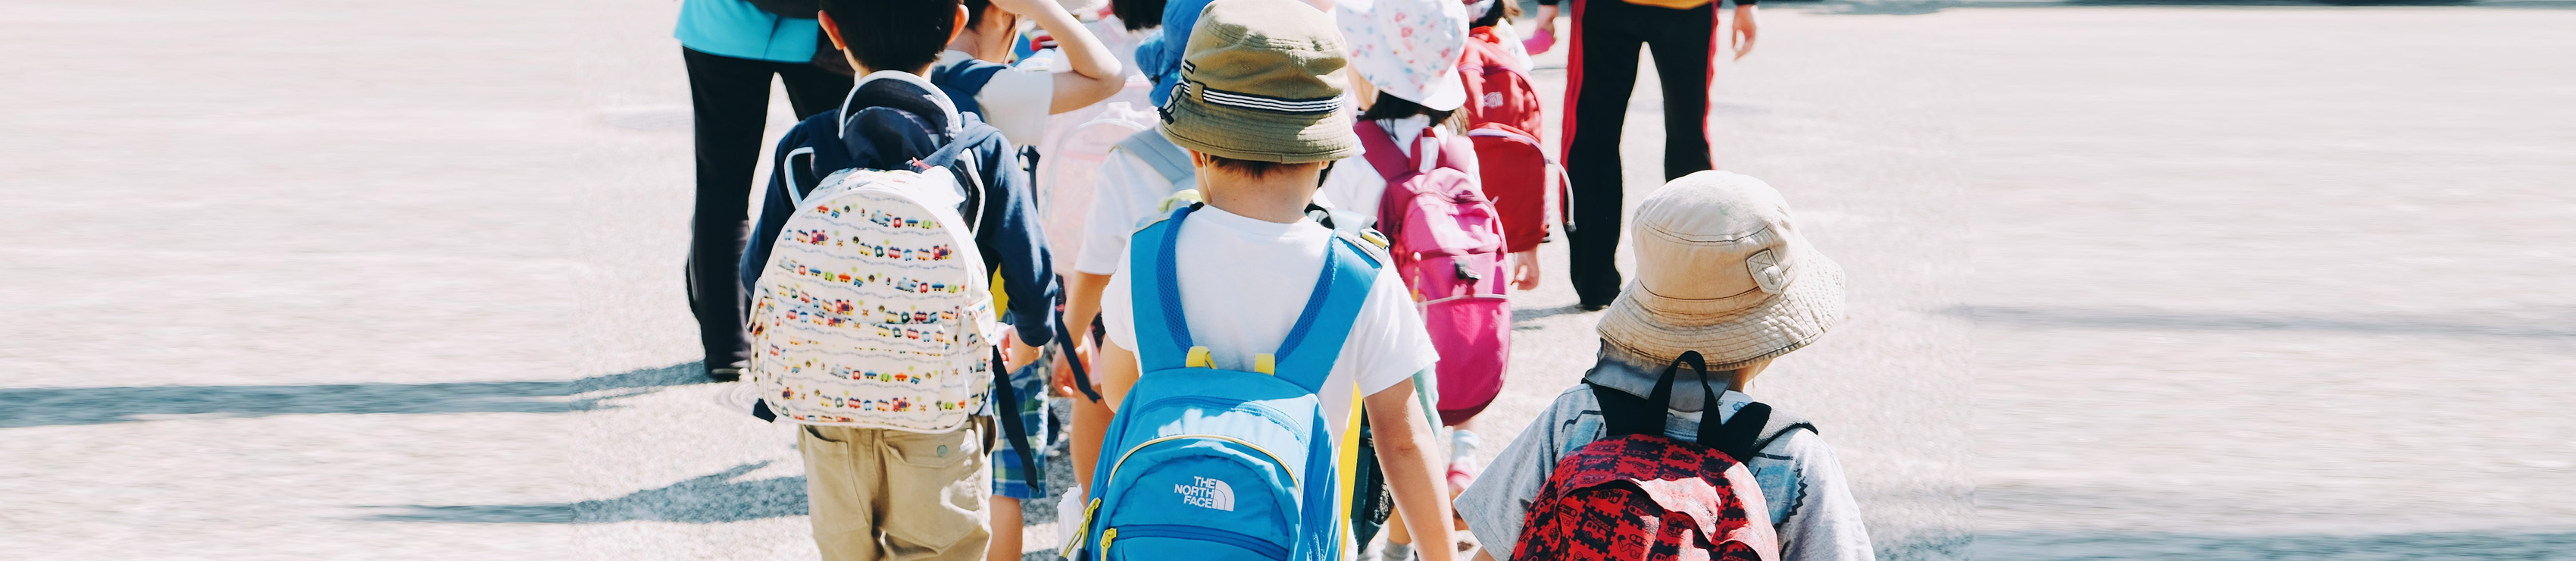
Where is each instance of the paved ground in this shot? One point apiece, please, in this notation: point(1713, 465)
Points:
point(299, 280)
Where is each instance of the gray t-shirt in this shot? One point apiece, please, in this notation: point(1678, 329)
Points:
point(1811, 503)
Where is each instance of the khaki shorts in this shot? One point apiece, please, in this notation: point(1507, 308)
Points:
point(879, 494)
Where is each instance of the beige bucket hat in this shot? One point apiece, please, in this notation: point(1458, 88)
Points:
point(1721, 270)
point(1262, 80)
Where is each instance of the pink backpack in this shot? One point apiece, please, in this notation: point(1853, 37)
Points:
point(1447, 244)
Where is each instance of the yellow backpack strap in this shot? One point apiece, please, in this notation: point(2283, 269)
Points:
point(1347, 467)
point(1266, 364)
point(1199, 358)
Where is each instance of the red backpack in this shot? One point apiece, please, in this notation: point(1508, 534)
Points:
point(1519, 174)
point(1637, 494)
point(1447, 244)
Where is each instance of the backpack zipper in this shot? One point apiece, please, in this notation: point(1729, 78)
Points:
point(1131, 451)
point(1254, 544)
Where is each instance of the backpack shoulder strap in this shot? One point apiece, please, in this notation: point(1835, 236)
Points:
point(1753, 429)
point(959, 157)
point(1379, 147)
point(1166, 158)
point(1162, 332)
point(1315, 342)
point(1778, 426)
point(961, 81)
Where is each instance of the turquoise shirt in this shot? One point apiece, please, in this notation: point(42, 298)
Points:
point(737, 29)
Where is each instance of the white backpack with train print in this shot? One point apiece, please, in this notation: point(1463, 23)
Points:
point(873, 310)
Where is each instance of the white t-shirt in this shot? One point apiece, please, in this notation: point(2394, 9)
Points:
point(1125, 199)
point(1243, 283)
point(1016, 100)
point(1353, 189)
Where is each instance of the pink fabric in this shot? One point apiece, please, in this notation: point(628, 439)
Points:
point(1447, 243)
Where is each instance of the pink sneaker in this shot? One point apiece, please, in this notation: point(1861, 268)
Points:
point(1539, 42)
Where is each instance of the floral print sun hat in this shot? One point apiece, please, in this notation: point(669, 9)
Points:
point(1408, 48)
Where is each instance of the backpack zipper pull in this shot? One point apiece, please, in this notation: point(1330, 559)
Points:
point(1075, 545)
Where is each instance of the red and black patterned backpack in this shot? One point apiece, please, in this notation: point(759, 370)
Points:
point(1637, 494)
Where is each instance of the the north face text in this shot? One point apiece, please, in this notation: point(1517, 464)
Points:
point(1207, 493)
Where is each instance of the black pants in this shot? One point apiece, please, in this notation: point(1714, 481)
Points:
point(1604, 72)
point(731, 99)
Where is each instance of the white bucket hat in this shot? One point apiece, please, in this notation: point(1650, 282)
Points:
point(1408, 48)
point(1721, 270)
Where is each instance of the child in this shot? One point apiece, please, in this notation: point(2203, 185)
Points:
point(1135, 180)
point(1720, 271)
point(1018, 100)
point(1257, 105)
point(1407, 52)
point(884, 491)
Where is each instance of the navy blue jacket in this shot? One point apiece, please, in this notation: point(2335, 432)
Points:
point(889, 120)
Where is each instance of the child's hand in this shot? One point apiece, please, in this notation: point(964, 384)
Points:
point(1525, 270)
point(1063, 380)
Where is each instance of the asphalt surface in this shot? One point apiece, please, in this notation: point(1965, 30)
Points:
point(301, 280)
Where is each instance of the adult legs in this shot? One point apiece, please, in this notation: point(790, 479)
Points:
point(811, 89)
point(1603, 75)
point(730, 99)
point(1684, 46)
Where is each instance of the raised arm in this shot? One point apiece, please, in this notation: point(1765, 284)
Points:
point(1095, 71)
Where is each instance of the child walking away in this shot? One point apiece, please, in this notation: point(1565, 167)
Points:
point(975, 74)
point(1724, 285)
point(874, 326)
point(1246, 337)
point(1419, 186)
point(1502, 118)
point(1140, 177)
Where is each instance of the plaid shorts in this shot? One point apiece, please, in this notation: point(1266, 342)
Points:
point(1030, 385)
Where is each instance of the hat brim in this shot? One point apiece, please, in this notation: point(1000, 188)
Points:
point(1811, 305)
point(1266, 136)
point(1445, 95)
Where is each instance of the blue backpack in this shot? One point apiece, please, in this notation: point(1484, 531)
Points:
point(1206, 463)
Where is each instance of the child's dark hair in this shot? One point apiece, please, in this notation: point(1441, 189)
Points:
point(1502, 8)
point(1254, 168)
point(1392, 107)
point(975, 12)
point(1139, 15)
point(901, 35)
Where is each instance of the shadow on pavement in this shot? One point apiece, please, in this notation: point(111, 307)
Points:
point(31, 407)
point(2051, 546)
point(1521, 317)
point(2532, 322)
point(706, 499)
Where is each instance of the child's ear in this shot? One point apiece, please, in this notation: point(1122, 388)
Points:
point(959, 26)
point(831, 29)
